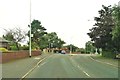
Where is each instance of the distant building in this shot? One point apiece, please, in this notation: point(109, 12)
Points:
point(4, 43)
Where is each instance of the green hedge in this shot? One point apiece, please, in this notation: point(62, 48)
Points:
point(3, 50)
point(108, 54)
point(25, 47)
point(13, 48)
point(82, 51)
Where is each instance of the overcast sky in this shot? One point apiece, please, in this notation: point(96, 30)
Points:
point(70, 19)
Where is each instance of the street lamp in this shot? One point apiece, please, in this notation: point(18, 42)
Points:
point(30, 32)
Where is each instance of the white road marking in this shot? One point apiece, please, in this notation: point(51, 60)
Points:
point(83, 71)
point(92, 58)
point(43, 63)
point(77, 65)
point(36, 58)
point(33, 68)
point(86, 73)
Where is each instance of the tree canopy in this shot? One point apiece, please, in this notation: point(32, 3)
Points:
point(41, 39)
point(106, 33)
point(51, 40)
point(38, 31)
point(16, 36)
point(101, 34)
point(116, 29)
point(89, 47)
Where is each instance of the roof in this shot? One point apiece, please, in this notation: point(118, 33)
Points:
point(3, 40)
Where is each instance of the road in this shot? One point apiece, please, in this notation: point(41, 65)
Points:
point(76, 66)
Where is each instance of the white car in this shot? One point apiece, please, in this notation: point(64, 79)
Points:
point(63, 52)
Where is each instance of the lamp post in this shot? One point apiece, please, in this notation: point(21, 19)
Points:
point(30, 33)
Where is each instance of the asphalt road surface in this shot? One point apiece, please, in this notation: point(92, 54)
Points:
point(75, 66)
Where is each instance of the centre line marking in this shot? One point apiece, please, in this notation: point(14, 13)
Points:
point(83, 71)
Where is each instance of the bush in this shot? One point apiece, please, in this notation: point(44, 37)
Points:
point(3, 50)
point(13, 48)
point(87, 52)
point(25, 47)
point(82, 51)
point(108, 54)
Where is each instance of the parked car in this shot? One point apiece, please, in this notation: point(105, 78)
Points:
point(63, 52)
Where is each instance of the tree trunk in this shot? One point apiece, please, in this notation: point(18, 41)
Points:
point(17, 46)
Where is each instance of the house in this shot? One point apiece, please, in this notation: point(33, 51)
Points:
point(4, 43)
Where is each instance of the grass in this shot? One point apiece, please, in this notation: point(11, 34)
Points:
point(105, 59)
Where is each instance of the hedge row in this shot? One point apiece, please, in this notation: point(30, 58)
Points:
point(108, 54)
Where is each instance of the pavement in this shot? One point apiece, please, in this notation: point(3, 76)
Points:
point(18, 68)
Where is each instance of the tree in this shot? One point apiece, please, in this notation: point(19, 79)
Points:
point(102, 33)
point(16, 36)
point(56, 42)
point(51, 40)
point(41, 39)
point(116, 29)
point(81, 50)
point(38, 31)
point(89, 47)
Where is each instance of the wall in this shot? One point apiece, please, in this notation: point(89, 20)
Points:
point(9, 56)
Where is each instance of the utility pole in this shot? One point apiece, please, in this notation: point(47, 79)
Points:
point(30, 33)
